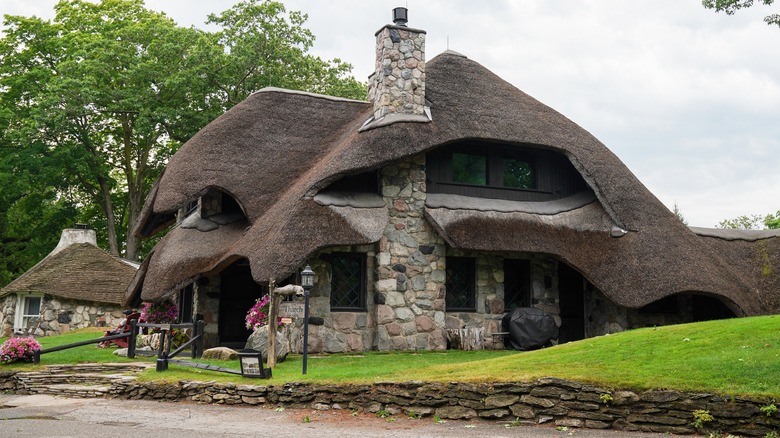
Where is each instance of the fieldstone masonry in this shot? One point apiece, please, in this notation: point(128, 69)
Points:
point(207, 292)
point(410, 265)
point(59, 315)
point(553, 401)
point(398, 83)
point(336, 332)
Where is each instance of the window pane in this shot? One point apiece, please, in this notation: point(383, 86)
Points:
point(460, 283)
point(469, 169)
point(32, 306)
point(347, 281)
point(517, 284)
point(518, 174)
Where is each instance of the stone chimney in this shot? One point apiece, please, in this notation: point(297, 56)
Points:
point(80, 233)
point(397, 86)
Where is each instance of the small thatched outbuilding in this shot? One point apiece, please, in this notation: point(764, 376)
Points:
point(448, 199)
point(77, 285)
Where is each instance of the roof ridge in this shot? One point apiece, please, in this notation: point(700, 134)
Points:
point(307, 93)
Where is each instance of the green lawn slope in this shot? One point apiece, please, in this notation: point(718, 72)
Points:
point(732, 357)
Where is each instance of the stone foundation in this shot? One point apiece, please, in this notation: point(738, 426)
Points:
point(59, 315)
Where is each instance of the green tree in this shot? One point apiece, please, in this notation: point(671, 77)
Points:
point(752, 222)
point(772, 221)
point(95, 101)
point(732, 6)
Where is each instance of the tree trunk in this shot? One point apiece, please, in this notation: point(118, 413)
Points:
point(135, 180)
point(135, 203)
point(108, 210)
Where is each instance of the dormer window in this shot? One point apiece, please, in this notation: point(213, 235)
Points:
point(494, 168)
point(501, 171)
point(366, 182)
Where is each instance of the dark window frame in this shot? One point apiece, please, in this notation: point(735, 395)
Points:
point(361, 274)
point(494, 156)
point(186, 304)
point(466, 276)
point(517, 284)
point(552, 174)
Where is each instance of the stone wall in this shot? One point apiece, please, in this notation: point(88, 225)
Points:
point(59, 315)
point(551, 401)
point(603, 316)
point(336, 332)
point(546, 401)
point(490, 295)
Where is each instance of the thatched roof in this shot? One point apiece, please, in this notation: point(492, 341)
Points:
point(276, 150)
point(80, 271)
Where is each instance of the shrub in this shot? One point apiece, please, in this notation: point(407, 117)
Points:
point(18, 349)
point(769, 409)
point(700, 418)
point(164, 312)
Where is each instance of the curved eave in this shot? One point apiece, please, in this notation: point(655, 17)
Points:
point(729, 234)
point(633, 271)
point(283, 242)
point(511, 231)
point(182, 255)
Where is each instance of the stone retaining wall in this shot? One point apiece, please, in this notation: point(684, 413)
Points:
point(546, 401)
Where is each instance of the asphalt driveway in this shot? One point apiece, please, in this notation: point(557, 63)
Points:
point(43, 415)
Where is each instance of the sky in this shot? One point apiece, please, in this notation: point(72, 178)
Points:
point(688, 99)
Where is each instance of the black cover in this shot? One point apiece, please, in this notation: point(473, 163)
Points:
point(529, 328)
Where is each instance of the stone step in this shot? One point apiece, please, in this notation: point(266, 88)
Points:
point(83, 380)
point(64, 390)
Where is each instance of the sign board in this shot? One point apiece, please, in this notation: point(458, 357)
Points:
point(291, 309)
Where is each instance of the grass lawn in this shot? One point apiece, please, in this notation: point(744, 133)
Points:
point(732, 357)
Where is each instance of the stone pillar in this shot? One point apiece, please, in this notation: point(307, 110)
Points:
point(206, 303)
point(9, 313)
point(410, 265)
point(397, 85)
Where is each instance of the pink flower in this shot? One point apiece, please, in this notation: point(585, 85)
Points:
point(257, 316)
point(164, 312)
point(17, 349)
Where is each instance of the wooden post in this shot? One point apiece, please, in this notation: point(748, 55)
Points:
point(197, 346)
point(273, 310)
point(131, 339)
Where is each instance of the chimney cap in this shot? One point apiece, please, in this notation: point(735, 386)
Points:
point(400, 16)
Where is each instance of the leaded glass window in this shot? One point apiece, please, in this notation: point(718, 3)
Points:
point(348, 281)
point(460, 284)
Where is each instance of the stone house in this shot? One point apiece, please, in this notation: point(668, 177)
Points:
point(77, 285)
point(447, 199)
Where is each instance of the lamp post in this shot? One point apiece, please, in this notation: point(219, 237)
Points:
point(307, 281)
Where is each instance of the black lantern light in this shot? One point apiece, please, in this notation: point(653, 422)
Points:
point(307, 278)
point(307, 281)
